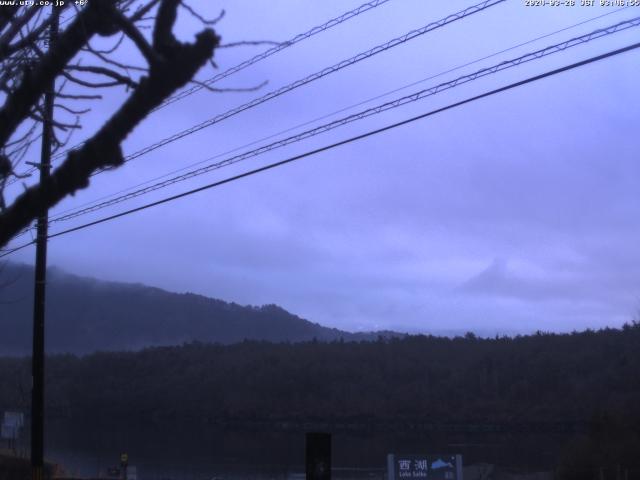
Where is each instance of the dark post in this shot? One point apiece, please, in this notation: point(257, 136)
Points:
point(124, 463)
point(37, 361)
point(318, 456)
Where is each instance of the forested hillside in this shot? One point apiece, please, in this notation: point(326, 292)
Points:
point(86, 315)
point(549, 378)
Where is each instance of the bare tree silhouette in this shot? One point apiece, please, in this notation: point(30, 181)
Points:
point(28, 64)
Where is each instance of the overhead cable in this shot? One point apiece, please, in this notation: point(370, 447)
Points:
point(313, 77)
point(317, 75)
point(273, 50)
point(342, 142)
point(365, 7)
point(335, 112)
point(422, 94)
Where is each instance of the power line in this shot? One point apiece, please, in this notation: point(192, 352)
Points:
point(267, 53)
point(5, 253)
point(459, 67)
point(310, 78)
point(346, 141)
point(241, 66)
point(322, 117)
point(479, 7)
point(359, 116)
point(365, 7)
point(315, 76)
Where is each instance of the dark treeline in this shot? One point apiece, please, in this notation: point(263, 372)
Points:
point(586, 384)
point(552, 378)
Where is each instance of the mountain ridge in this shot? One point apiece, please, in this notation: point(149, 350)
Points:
point(85, 315)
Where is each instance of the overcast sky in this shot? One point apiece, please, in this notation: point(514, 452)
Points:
point(511, 214)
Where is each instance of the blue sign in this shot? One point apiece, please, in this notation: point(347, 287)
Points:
point(427, 467)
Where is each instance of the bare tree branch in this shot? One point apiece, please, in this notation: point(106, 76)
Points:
point(88, 84)
point(70, 110)
point(16, 27)
point(204, 21)
point(7, 14)
point(56, 123)
point(136, 37)
point(163, 39)
point(104, 71)
point(177, 63)
point(71, 96)
point(20, 101)
point(108, 51)
point(103, 56)
point(20, 139)
point(142, 11)
point(6, 50)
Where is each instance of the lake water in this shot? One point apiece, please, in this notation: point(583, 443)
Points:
point(197, 452)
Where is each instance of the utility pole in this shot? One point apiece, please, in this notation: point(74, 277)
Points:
point(37, 359)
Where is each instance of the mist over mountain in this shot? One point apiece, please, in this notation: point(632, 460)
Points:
point(86, 315)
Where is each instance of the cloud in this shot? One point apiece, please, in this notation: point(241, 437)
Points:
point(510, 214)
